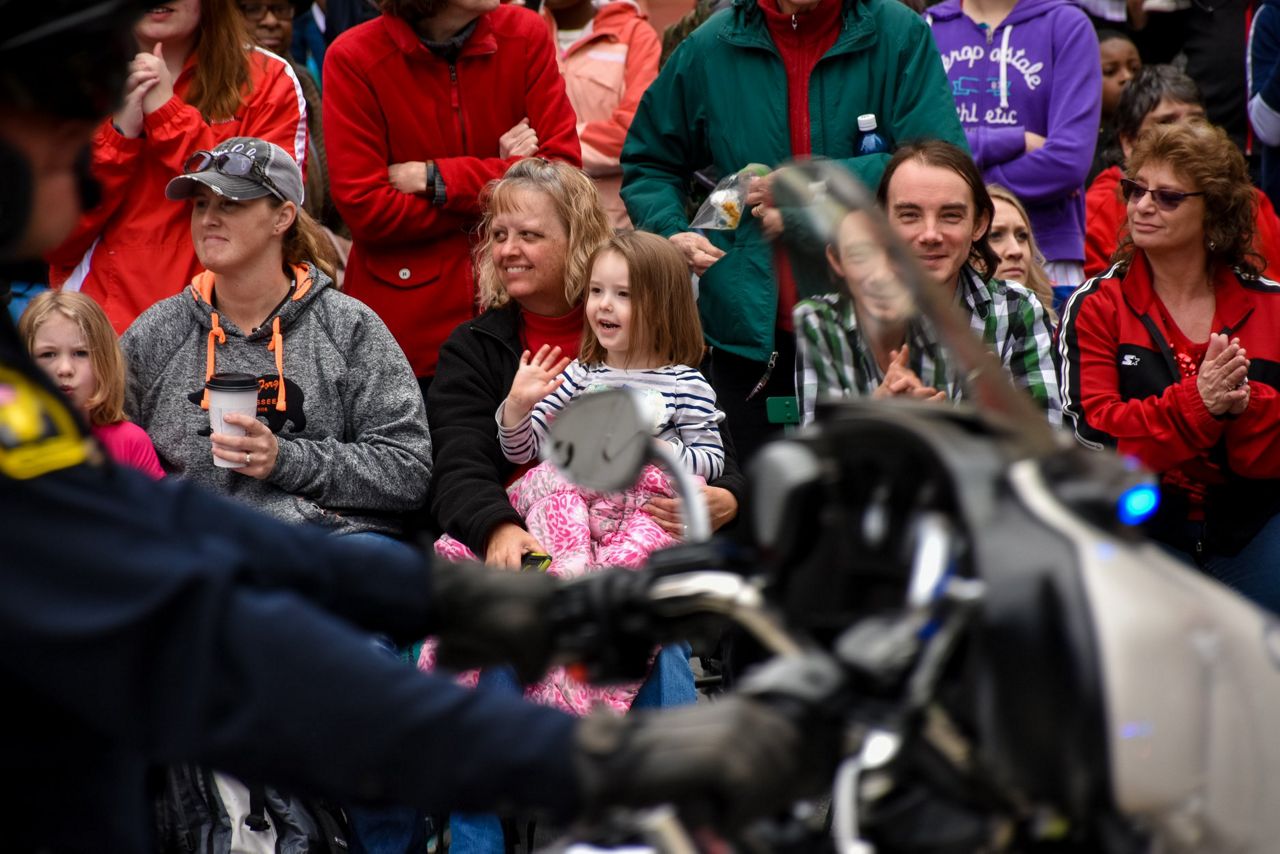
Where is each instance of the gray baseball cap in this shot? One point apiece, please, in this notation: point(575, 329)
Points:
point(241, 168)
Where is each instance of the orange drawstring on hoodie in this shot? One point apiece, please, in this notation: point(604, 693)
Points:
point(215, 334)
point(277, 347)
point(202, 288)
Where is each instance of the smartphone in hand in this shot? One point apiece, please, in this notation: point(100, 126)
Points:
point(535, 562)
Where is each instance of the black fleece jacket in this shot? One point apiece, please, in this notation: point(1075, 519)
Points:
point(476, 367)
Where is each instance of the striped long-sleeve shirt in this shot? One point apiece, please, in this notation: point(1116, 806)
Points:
point(679, 399)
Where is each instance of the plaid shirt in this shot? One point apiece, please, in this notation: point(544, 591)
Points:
point(832, 359)
point(1013, 325)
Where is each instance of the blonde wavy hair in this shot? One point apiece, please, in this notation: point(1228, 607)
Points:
point(1037, 278)
point(577, 203)
point(106, 405)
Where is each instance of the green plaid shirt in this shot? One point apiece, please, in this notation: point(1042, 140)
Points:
point(833, 361)
point(1013, 325)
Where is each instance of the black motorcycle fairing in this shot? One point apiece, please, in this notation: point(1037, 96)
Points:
point(1024, 686)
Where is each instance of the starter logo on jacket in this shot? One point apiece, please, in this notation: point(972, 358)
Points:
point(268, 394)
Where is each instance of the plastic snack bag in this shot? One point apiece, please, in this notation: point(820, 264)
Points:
point(723, 209)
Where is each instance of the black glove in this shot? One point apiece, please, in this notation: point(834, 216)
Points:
point(727, 762)
point(485, 617)
point(530, 620)
point(602, 622)
point(609, 623)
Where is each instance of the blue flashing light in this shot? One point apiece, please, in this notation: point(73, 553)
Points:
point(1138, 503)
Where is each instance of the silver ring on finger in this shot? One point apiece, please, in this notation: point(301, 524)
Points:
point(248, 458)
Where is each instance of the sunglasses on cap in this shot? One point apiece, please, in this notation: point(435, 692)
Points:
point(232, 163)
point(1166, 200)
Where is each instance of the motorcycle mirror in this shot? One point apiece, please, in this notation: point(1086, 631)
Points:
point(600, 441)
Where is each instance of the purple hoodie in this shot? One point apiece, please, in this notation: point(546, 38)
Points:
point(1038, 71)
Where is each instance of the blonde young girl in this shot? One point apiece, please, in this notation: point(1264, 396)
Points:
point(641, 332)
point(70, 337)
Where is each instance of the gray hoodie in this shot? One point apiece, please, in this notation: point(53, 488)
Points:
point(355, 452)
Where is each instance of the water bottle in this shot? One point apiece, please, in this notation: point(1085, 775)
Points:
point(872, 142)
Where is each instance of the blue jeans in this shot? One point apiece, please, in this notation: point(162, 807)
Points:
point(670, 683)
point(1254, 572)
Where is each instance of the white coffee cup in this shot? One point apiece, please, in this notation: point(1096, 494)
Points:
point(231, 393)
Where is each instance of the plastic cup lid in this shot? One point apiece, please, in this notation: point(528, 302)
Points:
point(232, 382)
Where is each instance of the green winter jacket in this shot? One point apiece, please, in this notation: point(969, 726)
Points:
point(722, 99)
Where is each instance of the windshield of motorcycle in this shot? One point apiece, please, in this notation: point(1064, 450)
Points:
point(894, 300)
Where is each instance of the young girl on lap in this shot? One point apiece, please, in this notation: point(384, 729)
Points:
point(642, 333)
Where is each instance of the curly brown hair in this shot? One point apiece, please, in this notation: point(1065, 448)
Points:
point(1203, 155)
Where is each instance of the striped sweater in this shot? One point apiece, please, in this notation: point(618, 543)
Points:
point(679, 398)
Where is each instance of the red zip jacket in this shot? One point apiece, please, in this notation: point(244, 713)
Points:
point(1105, 215)
point(143, 250)
point(388, 99)
point(1122, 389)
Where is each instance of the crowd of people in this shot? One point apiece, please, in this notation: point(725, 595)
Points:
point(421, 237)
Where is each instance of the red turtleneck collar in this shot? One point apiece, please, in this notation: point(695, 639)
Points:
point(564, 332)
point(801, 40)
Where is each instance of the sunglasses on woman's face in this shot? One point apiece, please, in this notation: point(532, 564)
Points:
point(235, 164)
point(1166, 200)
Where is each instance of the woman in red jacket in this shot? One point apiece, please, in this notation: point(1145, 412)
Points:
point(1158, 95)
point(423, 107)
point(193, 84)
point(1173, 356)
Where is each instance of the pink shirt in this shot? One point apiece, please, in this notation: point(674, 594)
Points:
point(128, 444)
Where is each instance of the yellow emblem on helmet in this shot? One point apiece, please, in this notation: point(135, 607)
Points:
point(38, 433)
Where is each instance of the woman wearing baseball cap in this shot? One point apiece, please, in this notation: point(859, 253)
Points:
point(341, 435)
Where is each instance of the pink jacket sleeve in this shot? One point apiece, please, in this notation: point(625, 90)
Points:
point(602, 140)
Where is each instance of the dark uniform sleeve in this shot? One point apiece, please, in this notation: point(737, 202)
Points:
point(184, 627)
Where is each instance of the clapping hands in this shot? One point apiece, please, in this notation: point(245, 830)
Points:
point(148, 87)
point(1223, 379)
point(901, 381)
